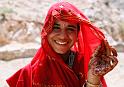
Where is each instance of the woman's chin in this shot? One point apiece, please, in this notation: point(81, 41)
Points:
point(61, 51)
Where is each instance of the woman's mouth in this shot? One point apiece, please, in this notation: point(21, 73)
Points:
point(61, 42)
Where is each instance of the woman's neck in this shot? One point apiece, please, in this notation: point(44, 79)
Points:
point(65, 56)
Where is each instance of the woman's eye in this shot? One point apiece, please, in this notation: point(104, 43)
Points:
point(56, 28)
point(71, 29)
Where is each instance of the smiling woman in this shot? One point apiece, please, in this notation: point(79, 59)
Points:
point(73, 53)
point(63, 36)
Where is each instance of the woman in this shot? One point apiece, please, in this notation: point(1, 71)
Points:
point(68, 44)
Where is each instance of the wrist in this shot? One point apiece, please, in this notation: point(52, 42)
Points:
point(88, 84)
point(93, 79)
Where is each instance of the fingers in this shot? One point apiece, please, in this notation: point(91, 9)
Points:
point(107, 48)
point(103, 48)
point(96, 52)
point(114, 52)
point(105, 66)
point(113, 61)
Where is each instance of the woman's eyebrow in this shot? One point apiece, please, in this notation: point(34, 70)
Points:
point(72, 26)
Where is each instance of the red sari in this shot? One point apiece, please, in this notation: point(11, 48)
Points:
point(47, 69)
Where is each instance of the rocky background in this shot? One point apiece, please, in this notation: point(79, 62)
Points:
point(21, 22)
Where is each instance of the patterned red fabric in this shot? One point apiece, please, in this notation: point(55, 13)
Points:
point(47, 69)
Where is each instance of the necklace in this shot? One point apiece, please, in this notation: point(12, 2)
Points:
point(71, 59)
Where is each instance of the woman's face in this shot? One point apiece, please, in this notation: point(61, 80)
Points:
point(63, 36)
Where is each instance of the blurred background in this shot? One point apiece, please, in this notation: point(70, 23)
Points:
point(21, 22)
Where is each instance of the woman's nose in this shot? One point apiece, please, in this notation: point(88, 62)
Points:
point(63, 35)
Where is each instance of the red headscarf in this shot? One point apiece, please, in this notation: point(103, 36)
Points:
point(47, 69)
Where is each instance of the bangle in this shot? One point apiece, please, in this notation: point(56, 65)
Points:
point(92, 85)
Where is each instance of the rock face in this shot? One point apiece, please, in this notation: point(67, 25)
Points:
point(21, 21)
point(19, 30)
point(17, 50)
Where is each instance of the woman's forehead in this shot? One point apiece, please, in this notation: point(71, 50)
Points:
point(61, 22)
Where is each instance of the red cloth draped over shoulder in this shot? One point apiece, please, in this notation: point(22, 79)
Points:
point(47, 69)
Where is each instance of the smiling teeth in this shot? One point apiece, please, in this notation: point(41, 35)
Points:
point(61, 43)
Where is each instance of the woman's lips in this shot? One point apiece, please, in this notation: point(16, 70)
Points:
point(61, 42)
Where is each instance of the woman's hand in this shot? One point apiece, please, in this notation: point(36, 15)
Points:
point(103, 61)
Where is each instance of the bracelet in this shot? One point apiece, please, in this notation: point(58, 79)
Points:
point(92, 85)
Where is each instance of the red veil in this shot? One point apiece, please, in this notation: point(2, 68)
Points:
point(47, 69)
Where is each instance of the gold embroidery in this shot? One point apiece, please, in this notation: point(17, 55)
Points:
point(51, 58)
point(37, 84)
